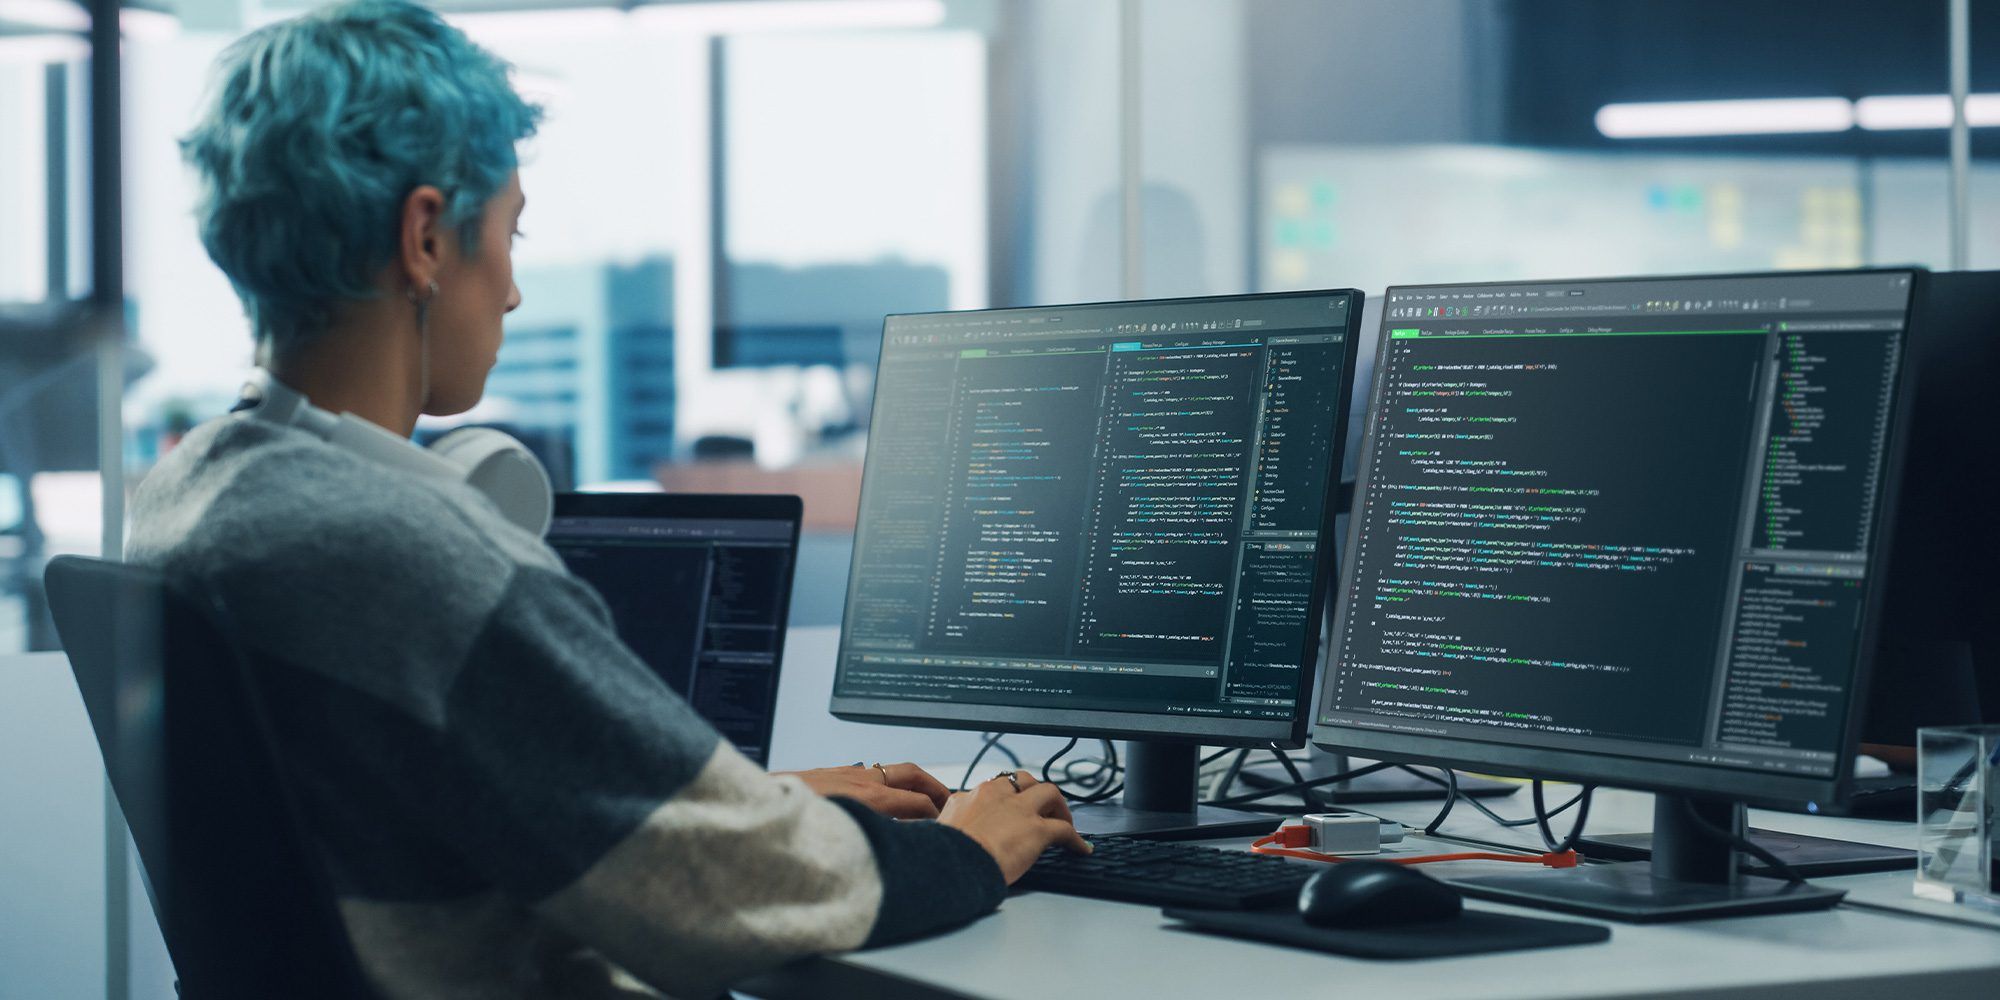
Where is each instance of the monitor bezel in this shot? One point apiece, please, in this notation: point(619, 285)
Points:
point(1742, 784)
point(716, 506)
point(1104, 724)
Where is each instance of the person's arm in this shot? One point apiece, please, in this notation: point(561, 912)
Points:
point(600, 796)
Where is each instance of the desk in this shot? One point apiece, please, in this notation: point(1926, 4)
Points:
point(1038, 946)
point(1047, 947)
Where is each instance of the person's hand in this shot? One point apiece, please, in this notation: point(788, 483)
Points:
point(904, 791)
point(1014, 827)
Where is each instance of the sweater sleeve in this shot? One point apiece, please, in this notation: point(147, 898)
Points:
point(932, 876)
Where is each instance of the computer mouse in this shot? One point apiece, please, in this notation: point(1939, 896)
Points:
point(1375, 894)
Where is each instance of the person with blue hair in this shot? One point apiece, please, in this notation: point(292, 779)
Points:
point(508, 802)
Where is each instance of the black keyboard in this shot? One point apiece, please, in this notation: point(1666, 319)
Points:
point(1164, 873)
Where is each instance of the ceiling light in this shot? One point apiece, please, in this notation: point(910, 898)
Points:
point(744, 16)
point(54, 15)
point(493, 27)
point(137, 23)
point(1914, 111)
point(40, 50)
point(143, 25)
point(1747, 117)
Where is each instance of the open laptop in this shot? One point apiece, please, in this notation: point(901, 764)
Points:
point(699, 586)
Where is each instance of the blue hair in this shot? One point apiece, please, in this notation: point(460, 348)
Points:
point(321, 127)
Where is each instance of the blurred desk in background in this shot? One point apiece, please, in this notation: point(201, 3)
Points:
point(831, 490)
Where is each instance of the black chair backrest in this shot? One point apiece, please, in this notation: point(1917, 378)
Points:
point(244, 904)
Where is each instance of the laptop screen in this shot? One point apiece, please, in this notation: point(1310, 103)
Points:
point(698, 587)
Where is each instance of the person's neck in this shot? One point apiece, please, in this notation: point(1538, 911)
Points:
point(366, 363)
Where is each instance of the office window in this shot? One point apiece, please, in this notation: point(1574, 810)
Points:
point(23, 182)
point(187, 320)
point(853, 185)
point(587, 374)
point(50, 497)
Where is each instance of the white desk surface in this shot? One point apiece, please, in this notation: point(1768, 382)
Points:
point(1047, 947)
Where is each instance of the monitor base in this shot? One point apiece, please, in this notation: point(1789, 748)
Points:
point(1812, 857)
point(1109, 819)
point(1632, 893)
point(1160, 801)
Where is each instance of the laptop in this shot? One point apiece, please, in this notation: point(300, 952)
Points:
point(699, 586)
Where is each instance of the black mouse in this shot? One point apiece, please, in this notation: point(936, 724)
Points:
point(1375, 894)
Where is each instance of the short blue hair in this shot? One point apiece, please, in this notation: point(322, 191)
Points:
point(321, 127)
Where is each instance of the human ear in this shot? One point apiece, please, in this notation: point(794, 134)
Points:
point(420, 237)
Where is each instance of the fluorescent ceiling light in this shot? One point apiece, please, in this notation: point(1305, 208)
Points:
point(709, 17)
point(142, 25)
point(41, 50)
point(137, 23)
point(540, 25)
point(743, 16)
point(1912, 111)
point(55, 15)
point(1751, 117)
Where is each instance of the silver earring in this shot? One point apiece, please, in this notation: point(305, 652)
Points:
point(424, 306)
point(424, 339)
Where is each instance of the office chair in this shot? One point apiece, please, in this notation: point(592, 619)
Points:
point(244, 905)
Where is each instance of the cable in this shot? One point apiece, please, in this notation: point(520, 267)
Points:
point(1107, 769)
point(1450, 799)
point(1292, 772)
point(1473, 801)
point(990, 741)
point(1097, 796)
point(1059, 754)
point(1575, 831)
point(1741, 843)
point(1331, 779)
point(1229, 776)
point(1099, 784)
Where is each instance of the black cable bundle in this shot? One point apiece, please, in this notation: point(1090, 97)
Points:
point(1542, 815)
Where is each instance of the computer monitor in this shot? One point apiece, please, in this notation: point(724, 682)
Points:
point(699, 586)
point(1103, 521)
point(1938, 658)
point(1627, 532)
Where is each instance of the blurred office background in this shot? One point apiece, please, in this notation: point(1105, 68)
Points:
point(728, 196)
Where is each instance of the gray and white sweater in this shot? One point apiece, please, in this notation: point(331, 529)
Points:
point(511, 804)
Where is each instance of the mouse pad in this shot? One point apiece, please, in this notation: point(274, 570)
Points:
point(1472, 932)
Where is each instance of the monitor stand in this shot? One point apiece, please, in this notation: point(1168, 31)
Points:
point(1691, 876)
point(1160, 801)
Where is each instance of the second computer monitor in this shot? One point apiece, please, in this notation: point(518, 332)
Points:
point(1102, 520)
point(1631, 532)
point(1625, 530)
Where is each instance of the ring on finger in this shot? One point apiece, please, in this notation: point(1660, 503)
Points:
point(1013, 778)
point(884, 772)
